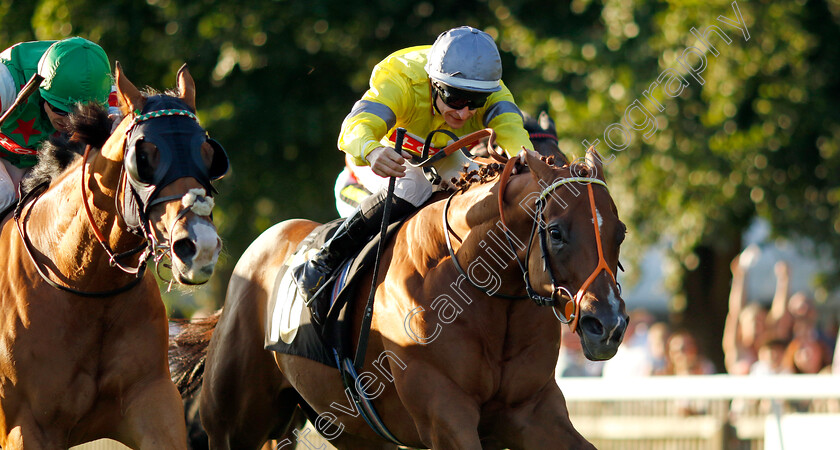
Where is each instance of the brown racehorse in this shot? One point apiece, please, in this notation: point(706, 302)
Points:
point(82, 342)
point(449, 366)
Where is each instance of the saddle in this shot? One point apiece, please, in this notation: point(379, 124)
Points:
point(290, 328)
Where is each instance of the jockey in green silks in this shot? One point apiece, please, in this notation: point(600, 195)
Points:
point(455, 85)
point(75, 70)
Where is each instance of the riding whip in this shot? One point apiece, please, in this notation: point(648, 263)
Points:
point(24, 94)
point(359, 360)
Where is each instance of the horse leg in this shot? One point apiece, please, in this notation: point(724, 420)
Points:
point(243, 413)
point(348, 442)
point(154, 417)
point(445, 416)
point(244, 398)
point(26, 433)
point(541, 423)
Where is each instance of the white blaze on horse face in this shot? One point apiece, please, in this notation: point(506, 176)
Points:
point(207, 245)
point(615, 303)
point(600, 221)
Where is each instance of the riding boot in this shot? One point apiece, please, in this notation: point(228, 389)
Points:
point(351, 235)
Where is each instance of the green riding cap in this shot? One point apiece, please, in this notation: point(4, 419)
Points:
point(85, 73)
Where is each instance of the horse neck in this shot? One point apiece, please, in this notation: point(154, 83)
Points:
point(475, 216)
point(507, 326)
point(58, 224)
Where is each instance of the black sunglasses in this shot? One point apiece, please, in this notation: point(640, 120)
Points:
point(56, 111)
point(460, 99)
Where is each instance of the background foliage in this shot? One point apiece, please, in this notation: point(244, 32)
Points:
point(759, 138)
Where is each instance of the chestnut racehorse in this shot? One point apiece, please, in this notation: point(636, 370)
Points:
point(83, 330)
point(456, 359)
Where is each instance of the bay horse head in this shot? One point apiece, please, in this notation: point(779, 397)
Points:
point(576, 228)
point(169, 162)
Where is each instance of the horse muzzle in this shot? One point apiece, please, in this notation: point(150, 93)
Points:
point(195, 244)
point(602, 328)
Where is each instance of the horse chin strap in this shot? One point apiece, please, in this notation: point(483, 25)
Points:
point(572, 307)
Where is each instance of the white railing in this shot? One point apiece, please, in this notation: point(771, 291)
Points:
point(706, 411)
point(701, 387)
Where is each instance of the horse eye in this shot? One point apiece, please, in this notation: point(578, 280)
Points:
point(622, 233)
point(148, 159)
point(556, 235)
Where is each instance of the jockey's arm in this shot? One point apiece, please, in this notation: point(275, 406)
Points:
point(8, 88)
point(371, 117)
point(505, 118)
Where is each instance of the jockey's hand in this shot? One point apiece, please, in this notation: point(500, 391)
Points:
point(523, 161)
point(386, 162)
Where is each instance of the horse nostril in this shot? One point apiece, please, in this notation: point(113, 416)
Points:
point(184, 249)
point(592, 326)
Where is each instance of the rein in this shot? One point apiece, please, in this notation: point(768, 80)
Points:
point(103, 242)
point(447, 231)
point(27, 245)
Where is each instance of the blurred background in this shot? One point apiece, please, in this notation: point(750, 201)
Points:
point(750, 156)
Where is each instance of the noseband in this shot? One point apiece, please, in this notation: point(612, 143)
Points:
point(572, 307)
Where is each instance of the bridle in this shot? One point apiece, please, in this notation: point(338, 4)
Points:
point(572, 307)
point(150, 245)
point(113, 257)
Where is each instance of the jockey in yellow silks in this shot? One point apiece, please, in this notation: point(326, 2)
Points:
point(455, 85)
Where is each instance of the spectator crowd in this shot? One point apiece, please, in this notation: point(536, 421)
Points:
point(784, 337)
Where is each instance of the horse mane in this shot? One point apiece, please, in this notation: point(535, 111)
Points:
point(489, 172)
point(89, 124)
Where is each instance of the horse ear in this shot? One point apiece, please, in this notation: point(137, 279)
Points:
point(544, 120)
point(130, 97)
point(539, 169)
point(186, 86)
point(595, 161)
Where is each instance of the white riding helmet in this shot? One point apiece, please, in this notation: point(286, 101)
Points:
point(465, 58)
